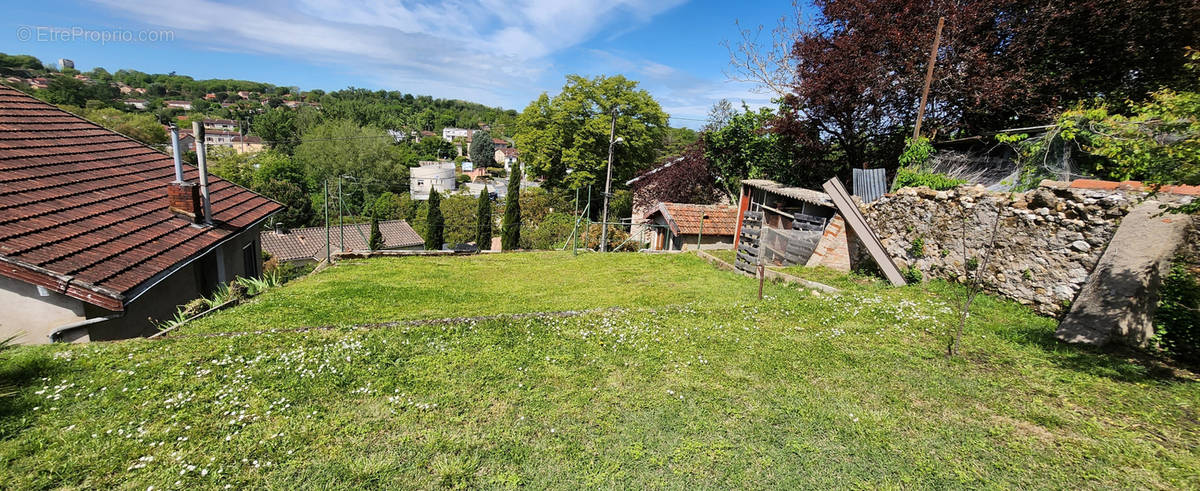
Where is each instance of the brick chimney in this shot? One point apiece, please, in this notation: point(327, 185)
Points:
point(183, 198)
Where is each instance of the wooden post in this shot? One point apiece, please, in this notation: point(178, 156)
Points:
point(937, 39)
point(762, 274)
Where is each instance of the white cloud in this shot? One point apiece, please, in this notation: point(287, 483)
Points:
point(443, 48)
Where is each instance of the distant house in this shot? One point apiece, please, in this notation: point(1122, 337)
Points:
point(185, 105)
point(244, 94)
point(678, 226)
point(449, 134)
point(210, 96)
point(39, 83)
point(500, 144)
point(220, 124)
point(308, 245)
point(220, 138)
point(248, 144)
point(506, 157)
point(95, 235)
point(136, 103)
point(429, 176)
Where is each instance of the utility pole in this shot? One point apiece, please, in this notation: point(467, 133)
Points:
point(937, 40)
point(341, 226)
point(327, 244)
point(612, 132)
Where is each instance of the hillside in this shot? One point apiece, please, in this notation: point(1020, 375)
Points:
point(693, 382)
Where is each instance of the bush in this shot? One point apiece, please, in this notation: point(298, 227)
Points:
point(1177, 321)
point(912, 275)
point(550, 233)
point(616, 237)
point(906, 178)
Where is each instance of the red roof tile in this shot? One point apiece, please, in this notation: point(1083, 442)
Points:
point(83, 209)
point(684, 219)
point(309, 243)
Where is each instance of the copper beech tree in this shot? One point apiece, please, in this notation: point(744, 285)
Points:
point(855, 70)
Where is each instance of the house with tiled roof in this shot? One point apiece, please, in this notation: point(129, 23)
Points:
point(97, 234)
point(312, 244)
point(681, 226)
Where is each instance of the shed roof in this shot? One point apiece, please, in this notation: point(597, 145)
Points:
point(309, 243)
point(802, 194)
point(684, 218)
point(83, 210)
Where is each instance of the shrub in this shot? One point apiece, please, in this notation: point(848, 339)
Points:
point(913, 178)
point(912, 275)
point(1177, 321)
point(918, 247)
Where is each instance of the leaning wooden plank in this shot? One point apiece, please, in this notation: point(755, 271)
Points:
point(858, 224)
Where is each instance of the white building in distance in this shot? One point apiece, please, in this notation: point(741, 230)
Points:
point(431, 175)
point(449, 134)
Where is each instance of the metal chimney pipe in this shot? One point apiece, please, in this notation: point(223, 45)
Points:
point(175, 151)
point(202, 163)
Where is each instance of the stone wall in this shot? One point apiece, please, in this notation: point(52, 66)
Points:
point(1047, 242)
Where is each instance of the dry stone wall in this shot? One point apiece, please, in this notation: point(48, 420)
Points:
point(1048, 240)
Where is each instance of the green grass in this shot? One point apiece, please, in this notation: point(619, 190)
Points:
point(390, 289)
point(797, 391)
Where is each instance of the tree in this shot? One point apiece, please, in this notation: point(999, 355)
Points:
point(459, 218)
point(687, 178)
point(510, 228)
point(482, 151)
point(278, 128)
point(483, 221)
point(747, 147)
point(375, 242)
point(434, 222)
point(277, 166)
point(857, 68)
point(298, 209)
point(572, 129)
point(342, 148)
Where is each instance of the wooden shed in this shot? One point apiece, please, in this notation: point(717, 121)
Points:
point(780, 225)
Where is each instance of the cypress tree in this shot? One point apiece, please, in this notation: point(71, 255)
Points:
point(434, 222)
point(375, 242)
point(510, 230)
point(483, 224)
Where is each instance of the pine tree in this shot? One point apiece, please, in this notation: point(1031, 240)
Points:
point(375, 242)
point(434, 222)
point(510, 230)
point(483, 225)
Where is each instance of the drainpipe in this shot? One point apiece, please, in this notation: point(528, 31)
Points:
point(175, 151)
point(58, 332)
point(202, 163)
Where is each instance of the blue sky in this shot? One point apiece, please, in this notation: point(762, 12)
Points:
point(496, 52)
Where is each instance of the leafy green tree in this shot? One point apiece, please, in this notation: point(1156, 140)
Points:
point(278, 128)
point(231, 166)
point(341, 147)
point(571, 131)
point(277, 166)
point(482, 151)
point(745, 147)
point(434, 222)
point(375, 242)
point(433, 148)
point(298, 209)
point(483, 221)
point(510, 228)
point(459, 212)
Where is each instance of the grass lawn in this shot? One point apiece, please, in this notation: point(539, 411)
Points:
point(390, 289)
point(718, 390)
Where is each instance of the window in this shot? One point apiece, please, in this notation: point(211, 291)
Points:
point(250, 261)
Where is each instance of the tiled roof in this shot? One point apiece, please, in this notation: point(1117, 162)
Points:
point(802, 194)
point(309, 243)
point(83, 210)
point(684, 219)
